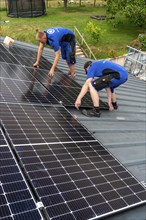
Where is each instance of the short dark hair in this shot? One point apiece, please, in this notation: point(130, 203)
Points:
point(88, 63)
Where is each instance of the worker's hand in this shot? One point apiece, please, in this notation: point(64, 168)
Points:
point(78, 103)
point(36, 65)
point(111, 108)
point(51, 73)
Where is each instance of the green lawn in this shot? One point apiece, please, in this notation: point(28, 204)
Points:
point(113, 41)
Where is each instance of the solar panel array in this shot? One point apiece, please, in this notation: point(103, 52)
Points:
point(67, 170)
point(16, 201)
point(62, 87)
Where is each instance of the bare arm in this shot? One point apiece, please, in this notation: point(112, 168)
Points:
point(57, 56)
point(84, 90)
point(40, 51)
point(109, 95)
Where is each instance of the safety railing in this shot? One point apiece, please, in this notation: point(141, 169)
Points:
point(135, 61)
point(84, 46)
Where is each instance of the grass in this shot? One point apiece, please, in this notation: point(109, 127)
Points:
point(113, 41)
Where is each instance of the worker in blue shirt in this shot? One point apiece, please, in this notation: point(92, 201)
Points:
point(62, 40)
point(110, 76)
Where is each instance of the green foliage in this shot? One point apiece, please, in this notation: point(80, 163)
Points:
point(113, 41)
point(93, 30)
point(134, 10)
point(139, 43)
point(142, 40)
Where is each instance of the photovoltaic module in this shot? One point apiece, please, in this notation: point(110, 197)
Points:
point(48, 156)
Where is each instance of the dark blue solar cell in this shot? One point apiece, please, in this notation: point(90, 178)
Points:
point(2, 200)
point(110, 195)
point(118, 169)
point(14, 186)
point(101, 209)
point(7, 162)
point(130, 181)
point(10, 169)
point(48, 190)
point(56, 171)
point(104, 187)
point(88, 166)
point(5, 155)
point(83, 183)
point(92, 173)
point(142, 195)
point(30, 160)
point(112, 177)
point(1, 190)
point(31, 215)
point(52, 200)
point(53, 164)
point(67, 163)
point(8, 178)
point(78, 176)
point(66, 186)
point(57, 210)
point(18, 196)
point(42, 182)
point(132, 199)
point(124, 191)
point(89, 191)
point(5, 211)
point(75, 194)
point(61, 179)
point(98, 180)
point(118, 184)
point(85, 214)
point(34, 167)
point(77, 204)
point(117, 204)
point(95, 199)
point(124, 175)
point(22, 206)
point(4, 148)
point(38, 174)
point(73, 169)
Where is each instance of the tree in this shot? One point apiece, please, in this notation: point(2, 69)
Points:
point(134, 10)
point(65, 4)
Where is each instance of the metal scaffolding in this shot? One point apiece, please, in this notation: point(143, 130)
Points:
point(135, 62)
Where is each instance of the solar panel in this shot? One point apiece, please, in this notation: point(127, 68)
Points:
point(16, 201)
point(41, 124)
point(69, 171)
point(74, 176)
point(15, 86)
point(62, 87)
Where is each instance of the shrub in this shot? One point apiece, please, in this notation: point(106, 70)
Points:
point(93, 30)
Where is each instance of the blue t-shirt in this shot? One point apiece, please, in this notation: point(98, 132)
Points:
point(56, 34)
point(97, 69)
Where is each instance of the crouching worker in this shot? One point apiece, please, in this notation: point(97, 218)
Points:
point(110, 76)
point(62, 40)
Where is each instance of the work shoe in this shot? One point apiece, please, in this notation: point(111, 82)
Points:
point(91, 112)
point(115, 105)
point(73, 76)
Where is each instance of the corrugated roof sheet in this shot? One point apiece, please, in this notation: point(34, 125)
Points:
point(123, 131)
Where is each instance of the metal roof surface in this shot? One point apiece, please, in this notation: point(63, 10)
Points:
point(122, 132)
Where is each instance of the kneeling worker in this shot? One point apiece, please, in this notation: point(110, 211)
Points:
point(110, 76)
point(61, 40)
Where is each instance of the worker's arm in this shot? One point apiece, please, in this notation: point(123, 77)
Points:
point(83, 92)
point(57, 56)
point(109, 95)
point(40, 51)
